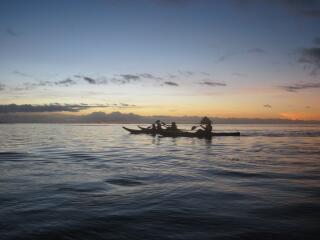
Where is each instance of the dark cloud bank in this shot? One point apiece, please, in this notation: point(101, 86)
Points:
point(304, 8)
point(90, 80)
point(118, 79)
point(11, 32)
point(301, 86)
point(257, 50)
point(56, 107)
point(170, 83)
point(213, 84)
point(30, 116)
point(311, 57)
point(2, 87)
point(316, 41)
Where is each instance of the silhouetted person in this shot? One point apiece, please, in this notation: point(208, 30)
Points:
point(205, 120)
point(153, 127)
point(158, 126)
point(206, 126)
point(173, 127)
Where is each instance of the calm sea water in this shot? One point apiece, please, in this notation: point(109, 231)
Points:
point(99, 182)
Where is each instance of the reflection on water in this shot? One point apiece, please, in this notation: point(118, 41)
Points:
point(99, 182)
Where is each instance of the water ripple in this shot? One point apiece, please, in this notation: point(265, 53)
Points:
point(98, 182)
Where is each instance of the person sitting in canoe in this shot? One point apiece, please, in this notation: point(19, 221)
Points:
point(173, 127)
point(153, 128)
point(159, 125)
point(206, 126)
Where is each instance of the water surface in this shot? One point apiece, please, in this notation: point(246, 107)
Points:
point(99, 182)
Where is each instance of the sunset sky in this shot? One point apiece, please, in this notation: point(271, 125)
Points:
point(224, 58)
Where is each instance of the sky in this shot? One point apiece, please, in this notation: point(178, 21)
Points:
point(223, 58)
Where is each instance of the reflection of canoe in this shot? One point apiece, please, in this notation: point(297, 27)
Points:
point(199, 135)
point(225, 134)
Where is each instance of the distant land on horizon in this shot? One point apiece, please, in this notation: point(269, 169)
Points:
point(131, 118)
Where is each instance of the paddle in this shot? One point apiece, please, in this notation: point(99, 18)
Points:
point(194, 127)
point(143, 127)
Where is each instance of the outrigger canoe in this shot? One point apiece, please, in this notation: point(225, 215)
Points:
point(165, 133)
point(141, 131)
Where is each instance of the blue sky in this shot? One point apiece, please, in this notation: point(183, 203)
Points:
point(253, 47)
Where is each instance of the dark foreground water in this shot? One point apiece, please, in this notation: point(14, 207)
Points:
point(98, 182)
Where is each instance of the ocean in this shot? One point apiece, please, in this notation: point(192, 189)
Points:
point(80, 182)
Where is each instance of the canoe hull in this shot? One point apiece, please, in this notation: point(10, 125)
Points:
point(141, 131)
point(197, 135)
point(181, 133)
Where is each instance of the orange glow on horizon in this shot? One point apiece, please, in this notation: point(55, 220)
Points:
point(201, 113)
point(300, 116)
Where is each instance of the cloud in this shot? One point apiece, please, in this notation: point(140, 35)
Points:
point(57, 107)
point(22, 74)
point(118, 81)
point(93, 81)
point(90, 80)
point(186, 73)
point(205, 73)
point(311, 57)
point(118, 117)
point(29, 86)
point(300, 86)
point(213, 84)
point(130, 77)
point(150, 76)
point(172, 76)
point(311, 13)
point(170, 83)
point(126, 105)
point(126, 78)
point(306, 8)
point(239, 74)
point(231, 55)
point(177, 3)
point(222, 58)
point(267, 106)
point(256, 50)
point(316, 41)
point(13, 108)
point(67, 82)
point(11, 32)
point(40, 84)
point(2, 87)
point(225, 57)
point(146, 75)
